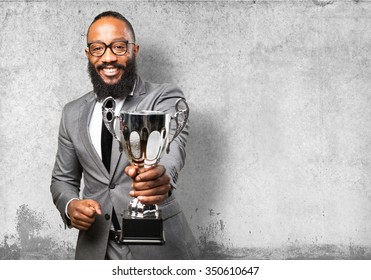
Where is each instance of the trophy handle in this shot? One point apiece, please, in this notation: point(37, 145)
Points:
point(179, 124)
point(109, 117)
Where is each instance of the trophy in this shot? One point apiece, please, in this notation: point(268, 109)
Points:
point(144, 137)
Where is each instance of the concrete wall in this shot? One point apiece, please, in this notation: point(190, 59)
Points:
point(279, 156)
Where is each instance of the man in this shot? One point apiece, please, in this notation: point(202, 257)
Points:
point(109, 185)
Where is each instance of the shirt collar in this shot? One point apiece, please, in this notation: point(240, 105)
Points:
point(135, 84)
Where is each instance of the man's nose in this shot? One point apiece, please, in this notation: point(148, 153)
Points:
point(108, 56)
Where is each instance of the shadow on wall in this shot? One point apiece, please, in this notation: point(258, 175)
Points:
point(205, 156)
point(30, 243)
point(204, 164)
point(153, 65)
point(204, 177)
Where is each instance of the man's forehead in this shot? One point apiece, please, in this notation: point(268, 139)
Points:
point(111, 24)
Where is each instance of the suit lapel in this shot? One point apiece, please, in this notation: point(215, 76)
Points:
point(84, 119)
point(115, 156)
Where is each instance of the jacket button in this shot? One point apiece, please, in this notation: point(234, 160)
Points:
point(107, 216)
point(112, 186)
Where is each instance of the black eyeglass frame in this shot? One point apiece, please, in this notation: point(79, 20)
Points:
point(110, 47)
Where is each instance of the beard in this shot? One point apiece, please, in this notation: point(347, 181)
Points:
point(118, 90)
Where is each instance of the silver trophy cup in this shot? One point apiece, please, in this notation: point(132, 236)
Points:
point(144, 137)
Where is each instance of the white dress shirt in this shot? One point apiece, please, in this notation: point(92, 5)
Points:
point(95, 125)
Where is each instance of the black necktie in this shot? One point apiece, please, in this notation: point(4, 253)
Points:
point(106, 146)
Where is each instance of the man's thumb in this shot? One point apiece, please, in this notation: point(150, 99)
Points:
point(96, 206)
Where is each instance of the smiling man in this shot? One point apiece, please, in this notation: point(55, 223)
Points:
point(110, 182)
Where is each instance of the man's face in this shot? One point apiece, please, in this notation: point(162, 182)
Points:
point(111, 67)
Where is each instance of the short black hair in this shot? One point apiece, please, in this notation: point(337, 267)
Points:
point(114, 15)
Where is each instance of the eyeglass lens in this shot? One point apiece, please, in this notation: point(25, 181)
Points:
point(98, 49)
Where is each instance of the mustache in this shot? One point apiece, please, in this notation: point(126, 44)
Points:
point(115, 64)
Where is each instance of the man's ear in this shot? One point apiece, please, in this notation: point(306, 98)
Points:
point(136, 50)
point(87, 52)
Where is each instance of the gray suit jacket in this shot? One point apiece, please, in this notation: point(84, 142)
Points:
point(76, 157)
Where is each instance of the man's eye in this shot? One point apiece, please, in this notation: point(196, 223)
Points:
point(119, 47)
point(97, 48)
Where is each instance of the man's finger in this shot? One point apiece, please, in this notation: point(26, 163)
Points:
point(146, 185)
point(82, 217)
point(131, 171)
point(97, 209)
point(150, 174)
point(148, 200)
point(95, 206)
point(159, 190)
point(80, 224)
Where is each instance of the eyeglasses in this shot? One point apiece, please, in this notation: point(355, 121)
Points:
point(118, 48)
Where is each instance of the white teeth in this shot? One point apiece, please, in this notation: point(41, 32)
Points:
point(110, 69)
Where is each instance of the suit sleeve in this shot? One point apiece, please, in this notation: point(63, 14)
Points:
point(67, 172)
point(175, 159)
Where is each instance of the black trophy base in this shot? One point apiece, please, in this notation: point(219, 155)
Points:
point(147, 230)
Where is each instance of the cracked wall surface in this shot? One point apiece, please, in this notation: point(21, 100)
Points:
point(279, 154)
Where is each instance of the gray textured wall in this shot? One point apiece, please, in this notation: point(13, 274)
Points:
point(279, 153)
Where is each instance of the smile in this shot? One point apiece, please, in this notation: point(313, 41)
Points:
point(110, 71)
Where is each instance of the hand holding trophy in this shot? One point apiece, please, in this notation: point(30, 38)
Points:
point(144, 137)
